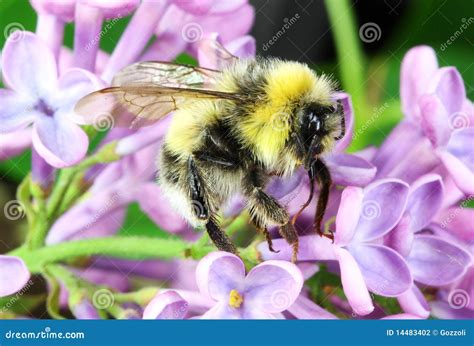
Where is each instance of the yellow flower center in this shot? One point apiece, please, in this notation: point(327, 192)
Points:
point(235, 299)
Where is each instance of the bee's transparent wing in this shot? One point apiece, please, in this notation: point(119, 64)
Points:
point(166, 74)
point(136, 105)
point(216, 54)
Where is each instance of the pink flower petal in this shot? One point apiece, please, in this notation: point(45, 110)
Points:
point(157, 207)
point(28, 65)
point(448, 85)
point(353, 283)
point(414, 302)
point(418, 67)
point(16, 112)
point(166, 306)
point(436, 262)
point(13, 275)
point(348, 215)
point(14, 143)
point(59, 141)
point(425, 199)
point(272, 286)
point(311, 248)
point(458, 158)
point(435, 120)
point(305, 309)
point(347, 169)
point(385, 272)
point(218, 273)
point(382, 207)
point(401, 237)
point(222, 311)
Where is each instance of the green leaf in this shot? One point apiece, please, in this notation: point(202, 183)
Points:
point(52, 301)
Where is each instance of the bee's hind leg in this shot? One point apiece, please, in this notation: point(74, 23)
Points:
point(204, 212)
point(319, 171)
point(265, 210)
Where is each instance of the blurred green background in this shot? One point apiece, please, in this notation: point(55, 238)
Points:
point(403, 24)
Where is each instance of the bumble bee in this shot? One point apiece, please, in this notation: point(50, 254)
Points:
point(232, 130)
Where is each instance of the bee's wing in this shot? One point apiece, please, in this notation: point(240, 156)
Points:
point(138, 105)
point(166, 74)
point(215, 53)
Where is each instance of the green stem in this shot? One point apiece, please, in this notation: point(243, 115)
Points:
point(351, 59)
point(137, 248)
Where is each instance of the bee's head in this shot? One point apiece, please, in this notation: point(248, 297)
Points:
point(317, 127)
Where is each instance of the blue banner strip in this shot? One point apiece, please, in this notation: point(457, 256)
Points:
point(241, 333)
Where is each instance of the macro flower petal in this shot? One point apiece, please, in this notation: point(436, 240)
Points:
point(13, 275)
point(222, 311)
point(435, 120)
point(458, 158)
point(63, 9)
point(385, 272)
point(425, 200)
point(28, 65)
point(311, 248)
point(14, 143)
point(401, 237)
point(168, 305)
point(347, 169)
point(414, 302)
point(156, 206)
point(448, 86)
point(445, 311)
point(243, 46)
point(16, 112)
point(436, 262)
point(273, 286)
point(348, 215)
point(353, 283)
point(458, 222)
point(218, 273)
point(418, 67)
point(73, 84)
point(305, 309)
point(382, 207)
point(59, 141)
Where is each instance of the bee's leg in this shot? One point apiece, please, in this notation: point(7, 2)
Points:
point(203, 211)
point(320, 172)
point(266, 210)
point(264, 230)
point(219, 237)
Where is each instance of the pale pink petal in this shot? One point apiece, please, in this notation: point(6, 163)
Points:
point(218, 273)
point(13, 275)
point(348, 215)
point(353, 283)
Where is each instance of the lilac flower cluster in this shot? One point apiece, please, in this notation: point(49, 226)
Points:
point(401, 228)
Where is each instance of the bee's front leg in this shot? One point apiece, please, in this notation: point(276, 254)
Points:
point(319, 171)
